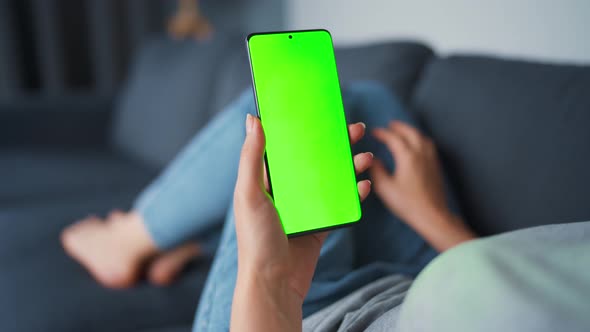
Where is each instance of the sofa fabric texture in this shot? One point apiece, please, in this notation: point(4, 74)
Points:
point(45, 290)
point(168, 96)
point(514, 137)
point(60, 175)
point(511, 134)
point(395, 65)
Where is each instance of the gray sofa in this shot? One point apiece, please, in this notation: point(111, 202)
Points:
point(513, 136)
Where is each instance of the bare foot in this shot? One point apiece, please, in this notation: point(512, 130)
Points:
point(112, 250)
point(167, 266)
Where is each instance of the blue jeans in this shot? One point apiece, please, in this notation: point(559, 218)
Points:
point(194, 194)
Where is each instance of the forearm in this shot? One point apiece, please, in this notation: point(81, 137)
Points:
point(263, 305)
point(442, 229)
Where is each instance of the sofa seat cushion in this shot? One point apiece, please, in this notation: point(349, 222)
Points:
point(44, 175)
point(514, 137)
point(44, 290)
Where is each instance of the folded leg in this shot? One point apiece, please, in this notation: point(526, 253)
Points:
point(191, 196)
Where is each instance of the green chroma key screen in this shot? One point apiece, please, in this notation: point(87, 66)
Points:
point(308, 152)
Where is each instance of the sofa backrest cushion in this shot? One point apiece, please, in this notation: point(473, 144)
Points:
point(168, 96)
point(514, 137)
point(397, 65)
point(233, 77)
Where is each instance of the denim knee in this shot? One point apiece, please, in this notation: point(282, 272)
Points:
point(244, 103)
point(374, 103)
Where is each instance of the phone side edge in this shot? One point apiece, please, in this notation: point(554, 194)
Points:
point(256, 105)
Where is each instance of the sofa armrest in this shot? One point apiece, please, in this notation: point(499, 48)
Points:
point(71, 122)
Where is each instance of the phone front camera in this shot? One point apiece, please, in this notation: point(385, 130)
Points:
point(290, 37)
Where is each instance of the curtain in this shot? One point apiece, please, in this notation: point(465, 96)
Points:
point(71, 47)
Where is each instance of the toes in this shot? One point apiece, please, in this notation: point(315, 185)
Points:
point(89, 243)
point(115, 214)
point(123, 278)
point(165, 268)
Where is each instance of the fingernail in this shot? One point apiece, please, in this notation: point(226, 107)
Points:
point(371, 154)
point(363, 124)
point(248, 123)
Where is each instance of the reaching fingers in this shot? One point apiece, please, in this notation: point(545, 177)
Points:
point(396, 144)
point(408, 133)
point(356, 131)
point(362, 162)
point(364, 188)
point(379, 174)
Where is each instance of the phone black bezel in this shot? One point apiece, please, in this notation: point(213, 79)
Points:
point(287, 32)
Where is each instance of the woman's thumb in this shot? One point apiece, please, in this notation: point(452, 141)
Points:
point(251, 168)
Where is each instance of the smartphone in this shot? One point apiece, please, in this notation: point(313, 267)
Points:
point(308, 155)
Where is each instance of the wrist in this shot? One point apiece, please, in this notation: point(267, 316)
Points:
point(442, 228)
point(262, 302)
point(273, 284)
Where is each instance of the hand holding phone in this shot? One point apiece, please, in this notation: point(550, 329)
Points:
point(274, 272)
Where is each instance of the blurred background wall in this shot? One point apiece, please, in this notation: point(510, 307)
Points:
point(52, 48)
point(555, 30)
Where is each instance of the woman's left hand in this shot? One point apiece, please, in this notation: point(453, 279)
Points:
point(274, 272)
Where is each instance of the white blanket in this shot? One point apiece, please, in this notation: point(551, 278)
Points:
point(536, 279)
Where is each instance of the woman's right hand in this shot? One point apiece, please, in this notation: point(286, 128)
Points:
point(415, 191)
